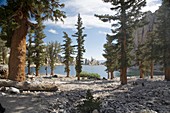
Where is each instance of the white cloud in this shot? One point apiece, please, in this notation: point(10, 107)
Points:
point(152, 5)
point(89, 6)
point(89, 21)
point(87, 9)
point(52, 31)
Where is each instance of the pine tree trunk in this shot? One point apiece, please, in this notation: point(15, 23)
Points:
point(108, 76)
point(141, 70)
point(37, 70)
point(18, 52)
point(124, 76)
point(68, 71)
point(29, 68)
point(167, 73)
point(78, 76)
point(52, 71)
point(46, 69)
point(152, 67)
point(112, 75)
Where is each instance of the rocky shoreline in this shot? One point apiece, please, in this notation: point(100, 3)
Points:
point(138, 96)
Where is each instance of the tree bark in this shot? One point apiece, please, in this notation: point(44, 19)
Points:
point(78, 76)
point(112, 75)
point(37, 70)
point(18, 51)
point(124, 76)
point(152, 68)
point(29, 69)
point(108, 76)
point(167, 73)
point(141, 70)
point(29, 86)
point(46, 69)
point(68, 73)
point(52, 71)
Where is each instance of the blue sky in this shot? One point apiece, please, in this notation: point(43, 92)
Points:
point(94, 28)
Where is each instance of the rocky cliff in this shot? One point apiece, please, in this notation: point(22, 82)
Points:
point(140, 34)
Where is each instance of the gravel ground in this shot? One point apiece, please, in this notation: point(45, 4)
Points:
point(138, 96)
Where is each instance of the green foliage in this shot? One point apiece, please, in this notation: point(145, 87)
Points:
point(110, 55)
point(90, 75)
point(163, 33)
point(53, 49)
point(39, 47)
point(30, 49)
point(68, 50)
point(89, 104)
point(128, 14)
point(27, 9)
point(80, 45)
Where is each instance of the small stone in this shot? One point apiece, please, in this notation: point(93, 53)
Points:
point(147, 111)
point(95, 111)
point(13, 90)
point(3, 94)
point(62, 111)
point(61, 106)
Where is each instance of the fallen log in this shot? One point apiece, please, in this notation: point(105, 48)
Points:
point(29, 86)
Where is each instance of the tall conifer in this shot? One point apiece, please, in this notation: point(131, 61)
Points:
point(163, 30)
point(39, 47)
point(111, 56)
point(53, 50)
point(128, 14)
point(80, 46)
point(67, 51)
point(30, 48)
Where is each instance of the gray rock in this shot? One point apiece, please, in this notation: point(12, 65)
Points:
point(13, 90)
point(61, 106)
point(95, 111)
point(147, 111)
point(2, 94)
point(62, 111)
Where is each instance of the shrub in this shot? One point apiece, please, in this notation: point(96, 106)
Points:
point(90, 75)
point(89, 104)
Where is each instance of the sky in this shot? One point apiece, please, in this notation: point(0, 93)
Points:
point(95, 29)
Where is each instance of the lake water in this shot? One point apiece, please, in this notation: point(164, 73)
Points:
point(100, 69)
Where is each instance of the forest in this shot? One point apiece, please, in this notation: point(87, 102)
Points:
point(138, 39)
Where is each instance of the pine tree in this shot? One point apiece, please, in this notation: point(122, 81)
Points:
point(164, 36)
point(150, 50)
point(18, 13)
point(53, 49)
point(67, 51)
point(80, 47)
point(141, 59)
point(29, 54)
point(111, 56)
point(128, 15)
point(39, 47)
